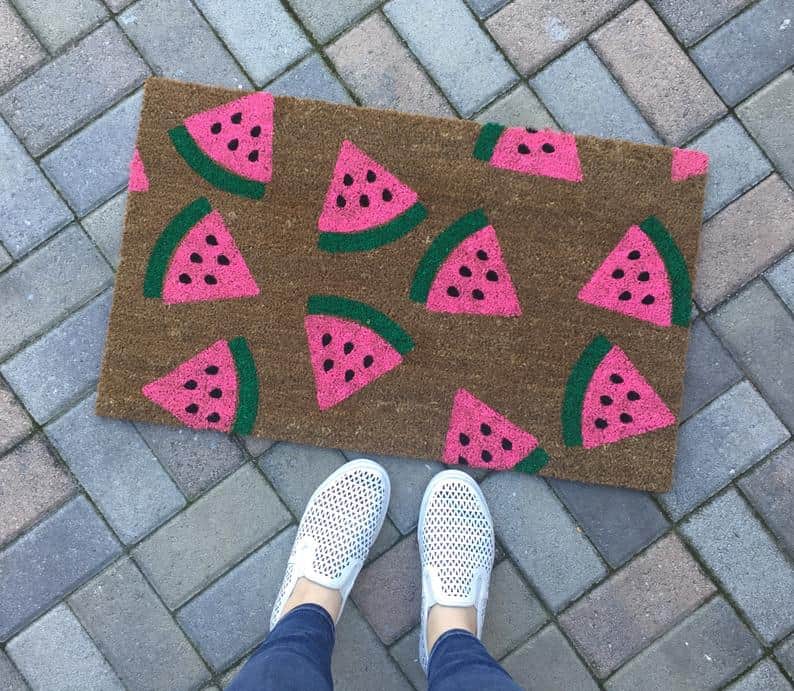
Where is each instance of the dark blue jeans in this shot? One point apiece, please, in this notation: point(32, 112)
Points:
point(296, 656)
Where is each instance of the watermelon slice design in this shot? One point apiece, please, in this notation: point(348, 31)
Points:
point(645, 277)
point(365, 206)
point(196, 259)
point(480, 437)
point(464, 271)
point(350, 345)
point(546, 153)
point(687, 164)
point(139, 181)
point(231, 146)
point(217, 389)
point(607, 399)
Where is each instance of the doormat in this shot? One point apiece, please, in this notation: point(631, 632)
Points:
point(492, 297)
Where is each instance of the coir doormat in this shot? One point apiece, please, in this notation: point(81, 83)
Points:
point(500, 298)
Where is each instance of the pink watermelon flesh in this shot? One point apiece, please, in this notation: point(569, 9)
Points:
point(201, 392)
point(208, 266)
point(139, 181)
point(474, 279)
point(362, 194)
point(632, 280)
point(480, 437)
point(238, 135)
point(345, 356)
point(546, 153)
point(620, 403)
point(687, 163)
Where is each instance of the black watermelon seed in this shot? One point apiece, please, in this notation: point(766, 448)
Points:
point(348, 348)
point(477, 294)
point(486, 456)
point(363, 200)
point(211, 240)
point(326, 339)
point(491, 276)
point(340, 201)
point(211, 369)
point(648, 300)
point(485, 429)
point(223, 260)
point(618, 273)
point(625, 295)
point(643, 276)
point(191, 384)
point(237, 118)
point(371, 176)
point(328, 365)
point(233, 144)
point(633, 395)
point(547, 148)
point(523, 149)
point(453, 292)
point(195, 257)
point(464, 271)
point(482, 255)
point(349, 374)
point(531, 130)
point(462, 461)
point(216, 128)
point(634, 254)
point(213, 417)
point(615, 378)
point(387, 195)
point(600, 423)
point(192, 409)
point(464, 439)
point(210, 280)
point(606, 400)
point(253, 156)
point(625, 418)
point(184, 278)
point(507, 445)
point(216, 393)
point(348, 179)
point(256, 130)
point(368, 360)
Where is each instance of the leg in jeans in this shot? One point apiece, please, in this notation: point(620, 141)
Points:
point(295, 656)
point(459, 662)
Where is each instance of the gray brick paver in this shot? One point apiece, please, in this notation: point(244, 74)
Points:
point(785, 655)
point(104, 226)
point(693, 19)
point(15, 424)
point(765, 676)
point(519, 108)
point(5, 258)
point(324, 19)
point(19, 49)
point(57, 22)
point(781, 277)
point(10, 678)
point(311, 78)
point(484, 8)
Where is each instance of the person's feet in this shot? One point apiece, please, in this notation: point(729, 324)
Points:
point(339, 526)
point(456, 546)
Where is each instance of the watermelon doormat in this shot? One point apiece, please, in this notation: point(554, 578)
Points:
point(498, 298)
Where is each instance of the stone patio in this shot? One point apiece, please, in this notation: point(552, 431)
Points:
point(146, 557)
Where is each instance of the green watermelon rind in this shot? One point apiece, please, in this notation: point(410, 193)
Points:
point(674, 263)
point(166, 245)
point(486, 141)
point(248, 386)
point(576, 386)
point(209, 170)
point(361, 313)
point(440, 249)
point(374, 237)
point(533, 461)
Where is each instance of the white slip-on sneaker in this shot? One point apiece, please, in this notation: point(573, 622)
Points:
point(339, 525)
point(456, 546)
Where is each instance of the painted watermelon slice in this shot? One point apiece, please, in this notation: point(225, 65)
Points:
point(139, 181)
point(350, 345)
point(687, 163)
point(547, 153)
point(231, 146)
point(365, 206)
point(217, 389)
point(196, 259)
point(480, 437)
point(464, 271)
point(607, 399)
point(645, 277)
